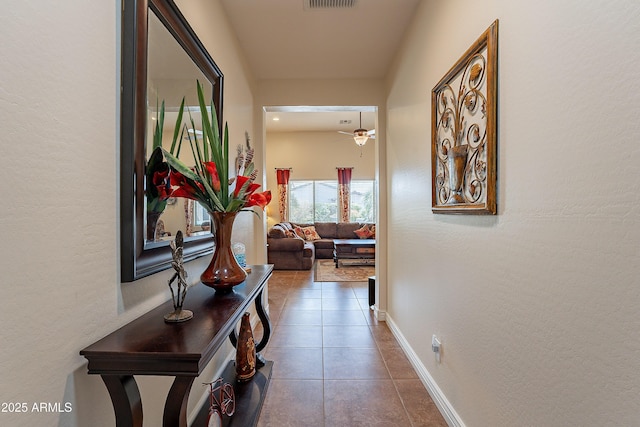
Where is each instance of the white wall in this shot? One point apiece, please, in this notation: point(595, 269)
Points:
point(60, 262)
point(315, 155)
point(537, 307)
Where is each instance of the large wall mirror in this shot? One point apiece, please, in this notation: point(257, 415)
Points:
point(162, 58)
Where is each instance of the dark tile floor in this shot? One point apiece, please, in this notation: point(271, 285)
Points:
point(334, 364)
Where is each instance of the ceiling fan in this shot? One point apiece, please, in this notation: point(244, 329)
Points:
point(360, 136)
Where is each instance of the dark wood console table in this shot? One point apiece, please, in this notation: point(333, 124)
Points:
point(149, 346)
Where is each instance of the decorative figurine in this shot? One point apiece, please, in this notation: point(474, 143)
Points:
point(222, 401)
point(245, 351)
point(178, 296)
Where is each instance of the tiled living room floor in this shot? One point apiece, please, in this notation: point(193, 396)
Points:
point(334, 364)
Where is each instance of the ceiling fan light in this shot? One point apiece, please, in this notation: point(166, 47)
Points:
point(360, 136)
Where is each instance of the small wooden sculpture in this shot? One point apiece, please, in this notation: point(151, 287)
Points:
point(245, 351)
point(178, 296)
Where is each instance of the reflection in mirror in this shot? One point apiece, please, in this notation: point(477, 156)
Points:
point(162, 58)
point(171, 76)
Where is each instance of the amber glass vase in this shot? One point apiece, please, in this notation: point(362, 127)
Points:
point(223, 272)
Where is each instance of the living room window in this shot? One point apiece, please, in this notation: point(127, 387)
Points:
point(200, 215)
point(363, 201)
point(311, 201)
point(317, 201)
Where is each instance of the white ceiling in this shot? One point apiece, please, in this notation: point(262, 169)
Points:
point(283, 39)
point(319, 119)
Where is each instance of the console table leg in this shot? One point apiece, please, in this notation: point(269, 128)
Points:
point(266, 326)
point(266, 323)
point(125, 397)
point(233, 337)
point(175, 408)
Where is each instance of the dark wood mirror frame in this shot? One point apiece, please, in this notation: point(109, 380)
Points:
point(138, 260)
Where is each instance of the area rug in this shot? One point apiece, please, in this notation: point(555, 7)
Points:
point(326, 271)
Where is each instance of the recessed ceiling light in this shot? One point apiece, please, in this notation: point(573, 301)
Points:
point(276, 119)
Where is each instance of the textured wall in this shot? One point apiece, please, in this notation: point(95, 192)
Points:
point(59, 99)
point(537, 307)
point(315, 155)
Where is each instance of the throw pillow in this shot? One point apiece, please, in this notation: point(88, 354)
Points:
point(299, 231)
point(363, 232)
point(310, 233)
point(372, 229)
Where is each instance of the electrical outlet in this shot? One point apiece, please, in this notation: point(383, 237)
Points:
point(436, 347)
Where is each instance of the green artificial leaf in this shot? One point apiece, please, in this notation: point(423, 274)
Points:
point(177, 128)
point(157, 131)
point(179, 166)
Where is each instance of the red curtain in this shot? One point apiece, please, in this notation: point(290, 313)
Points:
point(344, 194)
point(282, 177)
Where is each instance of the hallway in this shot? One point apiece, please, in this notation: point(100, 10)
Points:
point(334, 364)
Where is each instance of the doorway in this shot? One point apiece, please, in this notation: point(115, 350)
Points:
point(313, 141)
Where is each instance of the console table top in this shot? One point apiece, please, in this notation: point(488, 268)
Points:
point(149, 346)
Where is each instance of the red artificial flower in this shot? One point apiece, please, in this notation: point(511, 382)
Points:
point(213, 171)
point(160, 176)
point(259, 199)
point(240, 181)
point(252, 188)
point(161, 183)
point(163, 192)
point(185, 189)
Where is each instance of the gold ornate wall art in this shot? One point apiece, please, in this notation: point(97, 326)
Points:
point(463, 131)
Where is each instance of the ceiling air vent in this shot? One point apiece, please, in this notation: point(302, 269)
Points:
point(329, 4)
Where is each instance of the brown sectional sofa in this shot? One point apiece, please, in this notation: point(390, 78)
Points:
point(287, 251)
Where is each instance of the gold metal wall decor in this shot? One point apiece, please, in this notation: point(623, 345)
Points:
point(463, 131)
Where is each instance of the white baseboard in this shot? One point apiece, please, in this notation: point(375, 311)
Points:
point(450, 415)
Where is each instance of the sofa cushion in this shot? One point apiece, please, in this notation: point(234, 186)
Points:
point(346, 230)
point(324, 244)
point(327, 230)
